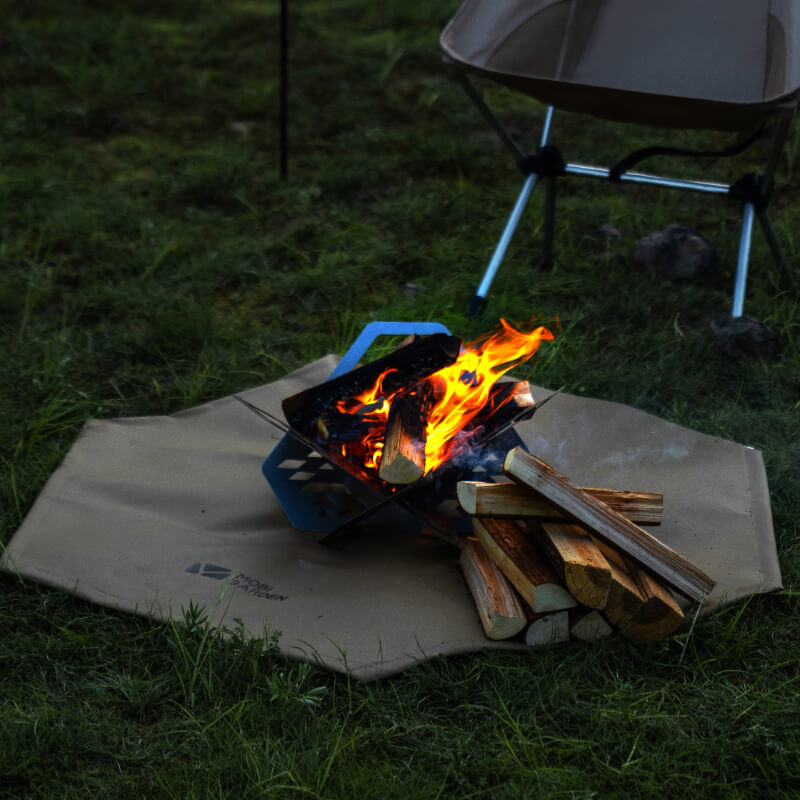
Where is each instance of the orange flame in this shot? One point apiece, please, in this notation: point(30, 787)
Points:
point(462, 390)
point(464, 386)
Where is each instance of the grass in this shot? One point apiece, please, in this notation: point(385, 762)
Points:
point(151, 259)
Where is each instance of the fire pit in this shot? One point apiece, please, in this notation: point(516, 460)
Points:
point(434, 402)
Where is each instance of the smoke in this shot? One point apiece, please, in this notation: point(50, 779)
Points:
point(468, 455)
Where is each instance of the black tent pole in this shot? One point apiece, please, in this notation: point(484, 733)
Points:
point(284, 89)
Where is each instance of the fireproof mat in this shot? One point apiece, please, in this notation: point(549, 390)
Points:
point(148, 515)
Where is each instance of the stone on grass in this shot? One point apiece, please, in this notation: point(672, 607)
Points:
point(607, 233)
point(676, 253)
point(742, 336)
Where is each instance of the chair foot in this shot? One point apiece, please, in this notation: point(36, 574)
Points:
point(476, 305)
point(742, 336)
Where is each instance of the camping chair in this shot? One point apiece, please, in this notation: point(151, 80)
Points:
point(725, 65)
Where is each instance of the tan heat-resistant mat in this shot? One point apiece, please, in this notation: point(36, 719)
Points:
point(149, 514)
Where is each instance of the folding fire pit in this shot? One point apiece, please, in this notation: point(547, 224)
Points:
point(324, 471)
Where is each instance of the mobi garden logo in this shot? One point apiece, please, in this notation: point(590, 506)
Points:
point(252, 586)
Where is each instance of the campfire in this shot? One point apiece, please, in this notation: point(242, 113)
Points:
point(543, 558)
point(431, 401)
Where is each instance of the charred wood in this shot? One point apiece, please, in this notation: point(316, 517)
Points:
point(333, 427)
point(408, 365)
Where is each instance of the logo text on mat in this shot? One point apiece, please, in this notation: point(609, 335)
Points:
point(249, 585)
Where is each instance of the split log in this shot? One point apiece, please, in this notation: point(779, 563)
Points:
point(589, 626)
point(410, 339)
point(515, 501)
point(659, 616)
point(505, 400)
point(514, 394)
point(628, 591)
point(333, 427)
point(608, 525)
point(523, 564)
point(548, 629)
point(403, 456)
point(407, 365)
point(499, 609)
point(576, 559)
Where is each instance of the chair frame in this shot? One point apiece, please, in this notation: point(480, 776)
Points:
point(754, 191)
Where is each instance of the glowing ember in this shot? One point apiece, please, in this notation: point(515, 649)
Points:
point(461, 391)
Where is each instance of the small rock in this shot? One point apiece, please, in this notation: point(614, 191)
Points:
point(608, 233)
point(742, 336)
point(676, 253)
point(242, 127)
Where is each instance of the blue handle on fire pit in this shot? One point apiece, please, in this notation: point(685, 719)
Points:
point(375, 329)
point(316, 509)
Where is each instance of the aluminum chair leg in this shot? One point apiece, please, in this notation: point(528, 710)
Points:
point(778, 141)
point(737, 309)
point(478, 301)
point(548, 231)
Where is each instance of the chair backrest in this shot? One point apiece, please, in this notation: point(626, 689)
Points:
point(684, 63)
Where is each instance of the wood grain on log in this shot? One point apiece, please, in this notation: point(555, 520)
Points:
point(659, 616)
point(627, 592)
point(515, 501)
point(608, 525)
point(576, 559)
point(523, 564)
point(499, 609)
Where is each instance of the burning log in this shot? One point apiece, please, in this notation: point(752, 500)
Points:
point(589, 626)
point(333, 427)
point(507, 398)
point(403, 458)
point(499, 609)
point(515, 501)
point(576, 559)
point(608, 525)
point(523, 564)
point(548, 629)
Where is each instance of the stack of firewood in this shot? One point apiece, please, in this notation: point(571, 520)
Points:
point(553, 561)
